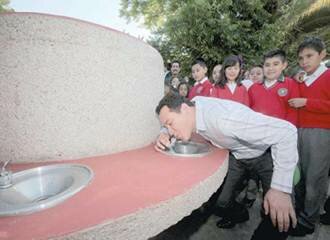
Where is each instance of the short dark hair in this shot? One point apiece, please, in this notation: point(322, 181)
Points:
point(312, 42)
point(256, 66)
point(173, 102)
point(175, 61)
point(200, 61)
point(275, 53)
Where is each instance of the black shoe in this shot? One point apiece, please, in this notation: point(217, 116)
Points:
point(220, 212)
point(225, 223)
point(325, 219)
point(266, 230)
point(300, 231)
point(230, 223)
point(248, 202)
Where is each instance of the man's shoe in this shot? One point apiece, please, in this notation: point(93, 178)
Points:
point(225, 223)
point(300, 231)
point(325, 219)
point(230, 223)
point(248, 202)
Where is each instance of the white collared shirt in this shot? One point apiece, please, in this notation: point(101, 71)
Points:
point(248, 134)
point(247, 83)
point(269, 84)
point(232, 86)
point(201, 81)
point(309, 79)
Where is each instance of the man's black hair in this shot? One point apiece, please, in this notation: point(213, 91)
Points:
point(312, 42)
point(275, 53)
point(175, 61)
point(173, 102)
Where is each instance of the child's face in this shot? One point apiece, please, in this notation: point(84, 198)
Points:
point(309, 59)
point(183, 90)
point(232, 72)
point(198, 72)
point(175, 82)
point(256, 74)
point(273, 68)
point(216, 72)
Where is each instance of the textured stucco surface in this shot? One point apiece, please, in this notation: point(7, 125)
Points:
point(149, 222)
point(72, 89)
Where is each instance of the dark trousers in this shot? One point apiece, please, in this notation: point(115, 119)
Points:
point(238, 170)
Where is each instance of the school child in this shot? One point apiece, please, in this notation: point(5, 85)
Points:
point(256, 74)
point(271, 96)
point(174, 84)
point(313, 134)
point(228, 85)
point(216, 73)
point(202, 84)
point(183, 89)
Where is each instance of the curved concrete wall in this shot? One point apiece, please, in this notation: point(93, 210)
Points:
point(72, 89)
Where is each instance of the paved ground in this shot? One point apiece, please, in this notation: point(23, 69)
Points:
point(201, 225)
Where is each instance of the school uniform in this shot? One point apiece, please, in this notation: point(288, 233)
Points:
point(201, 88)
point(234, 92)
point(273, 100)
point(314, 146)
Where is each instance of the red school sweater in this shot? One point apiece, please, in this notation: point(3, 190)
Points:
point(200, 89)
point(240, 94)
point(273, 101)
point(316, 113)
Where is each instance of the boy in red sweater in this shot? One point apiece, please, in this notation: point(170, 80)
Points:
point(271, 96)
point(202, 85)
point(313, 134)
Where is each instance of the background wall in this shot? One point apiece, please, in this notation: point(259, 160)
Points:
point(72, 89)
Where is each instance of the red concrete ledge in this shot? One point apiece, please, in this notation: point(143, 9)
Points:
point(134, 195)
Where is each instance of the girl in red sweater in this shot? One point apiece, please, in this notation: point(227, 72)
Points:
point(228, 85)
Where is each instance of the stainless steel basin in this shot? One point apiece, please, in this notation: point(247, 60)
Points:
point(188, 149)
point(42, 187)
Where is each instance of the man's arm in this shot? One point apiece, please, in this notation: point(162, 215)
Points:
point(277, 201)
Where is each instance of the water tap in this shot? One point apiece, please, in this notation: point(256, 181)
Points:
point(5, 176)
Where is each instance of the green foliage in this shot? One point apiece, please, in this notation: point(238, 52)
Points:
point(4, 6)
point(312, 18)
point(213, 29)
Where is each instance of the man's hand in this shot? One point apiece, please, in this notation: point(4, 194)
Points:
point(278, 204)
point(162, 141)
point(297, 102)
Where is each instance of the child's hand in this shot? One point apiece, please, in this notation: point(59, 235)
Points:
point(297, 102)
point(300, 77)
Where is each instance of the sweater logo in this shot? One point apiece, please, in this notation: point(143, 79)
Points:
point(282, 92)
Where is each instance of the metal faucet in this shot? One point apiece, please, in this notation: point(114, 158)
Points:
point(5, 176)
